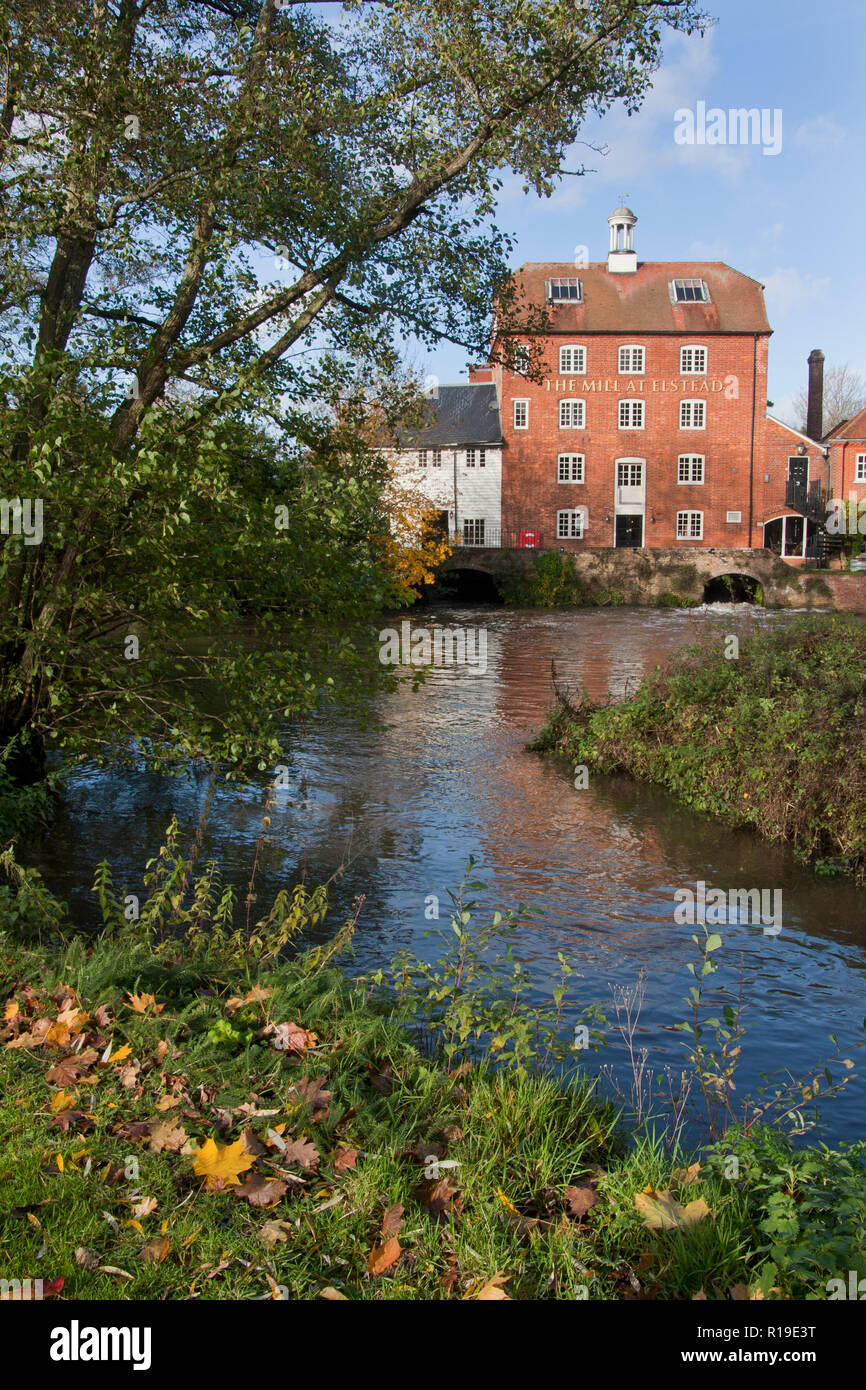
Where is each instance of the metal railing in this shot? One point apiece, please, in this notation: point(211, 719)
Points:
point(810, 500)
point(495, 538)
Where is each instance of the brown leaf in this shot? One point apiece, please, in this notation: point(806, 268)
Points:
point(140, 1003)
point(85, 1259)
point(101, 1017)
point(492, 1290)
point(578, 1200)
point(300, 1151)
point(392, 1220)
point(333, 1295)
point(290, 1037)
point(261, 1191)
point(345, 1158)
point(661, 1211)
point(440, 1196)
point(144, 1207)
point(453, 1134)
point(166, 1135)
point(69, 1069)
point(272, 1232)
point(383, 1257)
point(155, 1251)
point(71, 1119)
point(167, 1103)
point(252, 1144)
point(310, 1090)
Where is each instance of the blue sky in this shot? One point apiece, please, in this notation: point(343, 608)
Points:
point(793, 220)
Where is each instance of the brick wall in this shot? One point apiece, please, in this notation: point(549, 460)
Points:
point(531, 493)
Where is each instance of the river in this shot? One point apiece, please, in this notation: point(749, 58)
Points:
point(444, 774)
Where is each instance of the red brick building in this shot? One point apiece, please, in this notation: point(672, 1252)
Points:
point(650, 426)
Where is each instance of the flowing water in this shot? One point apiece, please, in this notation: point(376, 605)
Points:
point(444, 774)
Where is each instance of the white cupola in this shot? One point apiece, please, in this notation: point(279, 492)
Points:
point(622, 257)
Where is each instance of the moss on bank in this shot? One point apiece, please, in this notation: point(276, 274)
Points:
point(773, 738)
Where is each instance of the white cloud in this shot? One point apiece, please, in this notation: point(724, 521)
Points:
point(788, 289)
point(820, 133)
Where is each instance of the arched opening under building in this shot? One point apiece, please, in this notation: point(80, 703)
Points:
point(731, 588)
point(469, 586)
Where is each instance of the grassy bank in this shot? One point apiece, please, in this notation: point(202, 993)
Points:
point(179, 1127)
point(770, 736)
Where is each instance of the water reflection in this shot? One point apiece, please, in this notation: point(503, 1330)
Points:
point(444, 774)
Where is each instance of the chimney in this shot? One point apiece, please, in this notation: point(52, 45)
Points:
point(815, 407)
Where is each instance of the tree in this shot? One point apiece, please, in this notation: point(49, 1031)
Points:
point(155, 154)
point(844, 395)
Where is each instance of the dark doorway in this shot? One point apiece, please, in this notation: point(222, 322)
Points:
point(731, 588)
point(463, 586)
point(798, 472)
point(628, 531)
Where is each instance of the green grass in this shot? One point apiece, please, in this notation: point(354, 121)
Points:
point(771, 738)
point(519, 1143)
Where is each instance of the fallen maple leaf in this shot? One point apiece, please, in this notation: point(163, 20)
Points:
point(218, 1163)
point(491, 1289)
point(272, 1232)
point(578, 1200)
point(383, 1257)
point(661, 1211)
point(63, 1100)
point(140, 1003)
point(260, 1191)
point(345, 1158)
point(290, 1037)
point(69, 1069)
point(392, 1220)
point(300, 1151)
point(166, 1134)
point(155, 1251)
point(144, 1207)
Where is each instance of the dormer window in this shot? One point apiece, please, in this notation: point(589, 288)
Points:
point(564, 289)
point(689, 292)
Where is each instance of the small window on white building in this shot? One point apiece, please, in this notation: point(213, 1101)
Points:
point(689, 292)
point(860, 469)
point(572, 415)
point(693, 360)
point(569, 468)
point(631, 414)
point(572, 359)
point(629, 473)
point(693, 415)
point(422, 458)
point(564, 288)
point(569, 525)
point(473, 531)
point(476, 456)
point(690, 468)
point(521, 415)
point(690, 526)
point(631, 361)
point(437, 458)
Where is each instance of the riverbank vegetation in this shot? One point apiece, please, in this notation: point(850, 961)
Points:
point(198, 1105)
point(768, 733)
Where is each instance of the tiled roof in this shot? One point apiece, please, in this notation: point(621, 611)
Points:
point(640, 301)
point(855, 428)
point(458, 415)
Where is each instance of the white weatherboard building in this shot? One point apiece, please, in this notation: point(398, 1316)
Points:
point(455, 460)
